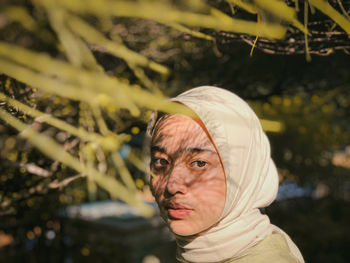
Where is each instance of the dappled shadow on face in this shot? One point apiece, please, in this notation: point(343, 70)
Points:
point(189, 181)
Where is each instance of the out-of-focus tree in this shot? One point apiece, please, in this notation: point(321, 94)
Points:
point(79, 79)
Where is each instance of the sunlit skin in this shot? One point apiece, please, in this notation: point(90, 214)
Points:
point(189, 181)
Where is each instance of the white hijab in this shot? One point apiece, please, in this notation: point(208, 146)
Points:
point(251, 178)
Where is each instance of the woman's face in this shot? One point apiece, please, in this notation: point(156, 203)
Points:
point(189, 181)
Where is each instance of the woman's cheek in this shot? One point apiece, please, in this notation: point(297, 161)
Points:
point(157, 186)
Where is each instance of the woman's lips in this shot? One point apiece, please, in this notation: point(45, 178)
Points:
point(178, 211)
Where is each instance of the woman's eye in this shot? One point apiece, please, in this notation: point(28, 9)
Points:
point(200, 164)
point(160, 162)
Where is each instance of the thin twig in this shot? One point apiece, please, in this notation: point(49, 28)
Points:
point(60, 184)
point(31, 168)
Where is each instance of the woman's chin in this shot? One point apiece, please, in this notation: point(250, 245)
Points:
point(182, 228)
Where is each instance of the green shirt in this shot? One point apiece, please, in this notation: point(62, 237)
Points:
point(273, 248)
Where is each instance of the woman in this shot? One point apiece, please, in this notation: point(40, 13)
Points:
point(211, 174)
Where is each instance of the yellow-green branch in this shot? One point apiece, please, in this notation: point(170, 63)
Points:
point(56, 152)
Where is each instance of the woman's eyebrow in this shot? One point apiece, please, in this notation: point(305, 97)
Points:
point(199, 150)
point(157, 149)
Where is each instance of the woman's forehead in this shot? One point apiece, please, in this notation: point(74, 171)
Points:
point(178, 130)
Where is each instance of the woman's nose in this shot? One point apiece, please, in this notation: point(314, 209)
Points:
point(177, 180)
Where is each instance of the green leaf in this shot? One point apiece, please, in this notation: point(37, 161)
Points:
point(328, 10)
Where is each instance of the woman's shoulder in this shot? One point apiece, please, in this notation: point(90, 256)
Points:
point(273, 248)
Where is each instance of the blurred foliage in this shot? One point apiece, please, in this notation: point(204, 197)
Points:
point(80, 78)
point(316, 127)
point(85, 93)
point(325, 36)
